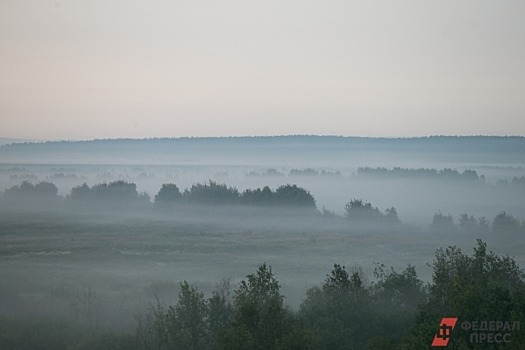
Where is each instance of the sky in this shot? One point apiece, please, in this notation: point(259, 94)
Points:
point(169, 68)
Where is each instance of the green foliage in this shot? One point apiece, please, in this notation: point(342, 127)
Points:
point(27, 195)
point(398, 293)
point(220, 312)
point(340, 283)
point(518, 181)
point(187, 320)
point(293, 196)
point(183, 326)
point(124, 194)
point(168, 196)
point(271, 172)
point(80, 193)
point(304, 172)
point(120, 191)
point(211, 193)
point(360, 210)
point(27, 189)
point(469, 224)
point(505, 223)
point(338, 313)
point(481, 287)
point(345, 313)
point(257, 319)
point(260, 320)
point(258, 314)
point(445, 174)
point(483, 224)
point(117, 195)
point(443, 223)
point(258, 197)
point(391, 215)
point(290, 196)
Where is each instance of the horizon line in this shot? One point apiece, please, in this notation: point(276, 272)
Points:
point(150, 138)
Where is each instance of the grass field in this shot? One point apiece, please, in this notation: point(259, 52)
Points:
point(102, 271)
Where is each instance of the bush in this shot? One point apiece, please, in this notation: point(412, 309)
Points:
point(168, 196)
point(294, 197)
point(505, 223)
point(443, 223)
point(360, 210)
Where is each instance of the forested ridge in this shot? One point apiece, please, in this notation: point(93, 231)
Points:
point(293, 146)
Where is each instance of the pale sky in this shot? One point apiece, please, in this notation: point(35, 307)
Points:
point(124, 68)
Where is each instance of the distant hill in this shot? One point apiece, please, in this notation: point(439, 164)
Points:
point(508, 143)
point(7, 141)
point(273, 150)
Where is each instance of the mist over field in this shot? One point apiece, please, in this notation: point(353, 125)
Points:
point(329, 167)
point(95, 232)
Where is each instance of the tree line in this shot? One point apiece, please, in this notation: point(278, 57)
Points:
point(421, 173)
point(395, 311)
point(503, 223)
point(123, 195)
point(211, 192)
point(516, 182)
point(307, 172)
